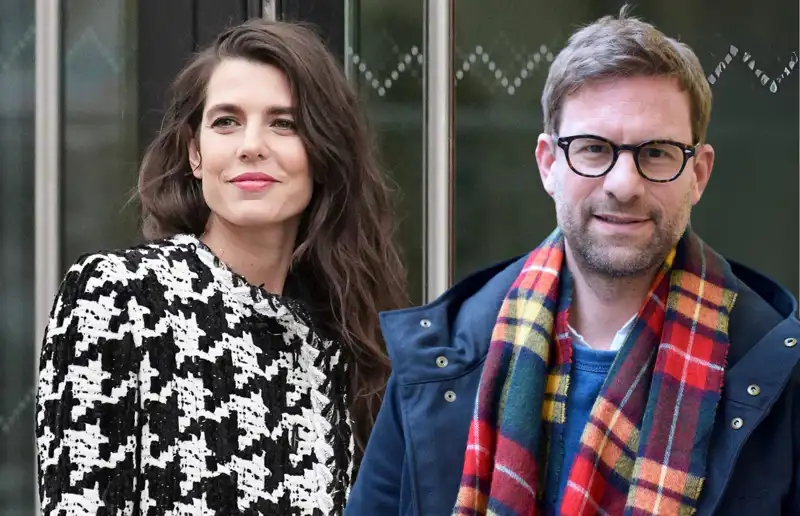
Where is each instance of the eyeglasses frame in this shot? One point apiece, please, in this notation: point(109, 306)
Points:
point(689, 151)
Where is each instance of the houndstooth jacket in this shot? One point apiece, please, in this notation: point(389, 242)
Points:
point(169, 385)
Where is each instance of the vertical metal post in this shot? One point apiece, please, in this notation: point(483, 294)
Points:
point(47, 160)
point(47, 169)
point(269, 9)
point(349, 39)
point(438, 108)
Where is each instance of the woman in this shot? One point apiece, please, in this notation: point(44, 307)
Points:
point(233, 364)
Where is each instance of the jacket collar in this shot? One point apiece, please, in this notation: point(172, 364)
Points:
point(760, 307)
point(457, 326)
point(454, 326)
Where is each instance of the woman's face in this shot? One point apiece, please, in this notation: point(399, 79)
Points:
point(252, 164)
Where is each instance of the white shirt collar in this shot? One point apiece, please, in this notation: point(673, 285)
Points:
point(616, 344)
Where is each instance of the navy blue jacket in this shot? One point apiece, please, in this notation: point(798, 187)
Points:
point(413, 461)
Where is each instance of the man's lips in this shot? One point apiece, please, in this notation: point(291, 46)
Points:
point(612, 218)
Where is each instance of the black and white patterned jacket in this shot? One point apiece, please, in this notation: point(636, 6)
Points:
point(168, 385)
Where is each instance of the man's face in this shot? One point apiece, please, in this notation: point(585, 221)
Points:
point(621, 224)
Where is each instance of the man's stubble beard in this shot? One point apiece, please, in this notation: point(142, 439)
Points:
point(605, 259)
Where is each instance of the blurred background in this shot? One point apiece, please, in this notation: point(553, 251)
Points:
point(107, 64)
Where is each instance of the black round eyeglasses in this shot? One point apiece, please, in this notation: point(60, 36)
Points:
point(659, 161)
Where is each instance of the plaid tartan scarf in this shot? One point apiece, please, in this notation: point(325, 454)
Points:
point(643, 451)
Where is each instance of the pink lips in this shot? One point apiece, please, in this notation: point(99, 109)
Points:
point(253, 181)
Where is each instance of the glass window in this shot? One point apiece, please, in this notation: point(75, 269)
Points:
point(383, 55)
point(100, 145)
point(17, 374)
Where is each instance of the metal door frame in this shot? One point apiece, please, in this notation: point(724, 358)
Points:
point(334, 21)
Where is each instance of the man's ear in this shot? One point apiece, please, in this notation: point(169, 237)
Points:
point(703, 163)
point(194, 159)
point(545, 157)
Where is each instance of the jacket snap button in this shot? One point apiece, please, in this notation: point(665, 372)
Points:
point(441, 361)
point(450, 396)
point(790, 342)
point(425, 323)
point(737, 423)
point(754, 390)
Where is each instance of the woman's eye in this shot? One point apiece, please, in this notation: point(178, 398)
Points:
point(284, 124)
point(223, 122)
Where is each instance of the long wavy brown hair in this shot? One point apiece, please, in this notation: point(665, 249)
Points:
point(345, 257)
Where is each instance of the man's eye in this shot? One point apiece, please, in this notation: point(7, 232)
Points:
point(595, 148)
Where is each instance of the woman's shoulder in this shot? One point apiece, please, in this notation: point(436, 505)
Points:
point(130, 267)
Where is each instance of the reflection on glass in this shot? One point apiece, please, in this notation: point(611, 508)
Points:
point(100, 125)
point(501, 61)
point(749, 51)
point(17, 52)
point(384, 57)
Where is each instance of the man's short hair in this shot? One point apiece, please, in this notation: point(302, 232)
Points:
point(625, 46)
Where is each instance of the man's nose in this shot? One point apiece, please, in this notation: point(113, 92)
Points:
point(623, 181)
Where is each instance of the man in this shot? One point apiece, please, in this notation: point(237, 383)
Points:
point(622, 367)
